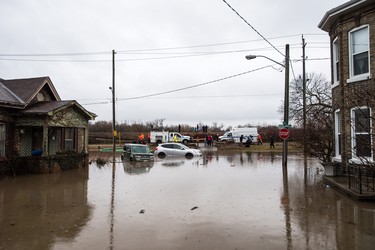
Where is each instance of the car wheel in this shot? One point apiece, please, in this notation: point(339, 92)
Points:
point(189, 155)
point(161, 155)
point(131, 159)
point(158, 142)
point(185, 142)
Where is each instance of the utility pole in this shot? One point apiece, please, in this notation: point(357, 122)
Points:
point(113, 105)
point(304, 96)
point(286, 109)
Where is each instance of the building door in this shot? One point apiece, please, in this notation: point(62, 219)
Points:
point(37, 138)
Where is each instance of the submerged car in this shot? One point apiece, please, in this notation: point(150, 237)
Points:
point(175, 149)
point(137, 152)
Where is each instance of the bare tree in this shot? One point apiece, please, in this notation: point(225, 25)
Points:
point(361, 100)
point(319, 119)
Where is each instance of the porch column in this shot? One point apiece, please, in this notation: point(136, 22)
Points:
point(86, 140)
point(45, 140)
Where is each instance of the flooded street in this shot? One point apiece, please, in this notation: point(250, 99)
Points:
point(233, 201)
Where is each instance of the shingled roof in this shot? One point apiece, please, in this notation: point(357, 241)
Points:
point(50, 107)
point(8, 98)
point(20, 92)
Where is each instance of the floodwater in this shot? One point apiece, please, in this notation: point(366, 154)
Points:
point(233, 201)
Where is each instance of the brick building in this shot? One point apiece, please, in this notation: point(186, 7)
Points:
point(351, 27)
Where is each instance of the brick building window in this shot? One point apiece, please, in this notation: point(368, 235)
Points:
point(359, 52)
point(361, 132)
point(337, 133)
point(2, 139)
point(335, 61)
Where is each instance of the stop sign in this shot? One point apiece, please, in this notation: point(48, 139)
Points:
point(284, 133)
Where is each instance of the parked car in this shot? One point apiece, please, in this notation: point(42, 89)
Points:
point(175, 149)
point(137, 152)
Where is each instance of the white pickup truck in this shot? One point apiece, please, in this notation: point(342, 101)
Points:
point(165, 136)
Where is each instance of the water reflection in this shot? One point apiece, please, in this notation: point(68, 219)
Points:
point(249, 158)
point(135, 168)
point(173, 163)
point(178, 161)
point(243, 201)
point(36, 211)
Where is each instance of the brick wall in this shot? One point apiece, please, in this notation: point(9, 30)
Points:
point(355, 94)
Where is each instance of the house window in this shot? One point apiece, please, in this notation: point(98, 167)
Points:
point(359, 52)
point(2, 139)
point(338, 133)
point(361, 132)
point(69, 139)
point(335, 61)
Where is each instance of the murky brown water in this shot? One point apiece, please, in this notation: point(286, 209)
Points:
point(238, 201)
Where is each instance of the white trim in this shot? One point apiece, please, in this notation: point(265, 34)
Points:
point(340, 10)
point(362, 160)
point(358, 78)
point(337, 159)
point(352, 77)
point(334, 85)
point(335, 60)
point(337, 132)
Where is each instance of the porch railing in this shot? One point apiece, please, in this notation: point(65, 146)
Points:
point(362, 178)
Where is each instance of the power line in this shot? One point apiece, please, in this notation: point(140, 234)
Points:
point(148, 49)
point(318, 59)
point(51, 60)
point(184, 88)
point(196, 85)
point(60, 54)
point(208, 45)
point(191, 97)
point(175, 55)
point(253, 28)
point(214, 96)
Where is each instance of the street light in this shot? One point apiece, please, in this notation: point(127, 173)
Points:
point(286, 99)
point(249, 57)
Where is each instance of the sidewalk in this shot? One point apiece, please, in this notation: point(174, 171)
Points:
point(341, 183)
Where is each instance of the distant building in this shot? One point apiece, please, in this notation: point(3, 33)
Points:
point(351, 27)
point(36, 124)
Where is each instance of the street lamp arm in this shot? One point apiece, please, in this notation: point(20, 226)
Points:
point(286, 100)
point(249, 57)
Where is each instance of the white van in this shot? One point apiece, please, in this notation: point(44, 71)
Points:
point(235, 134)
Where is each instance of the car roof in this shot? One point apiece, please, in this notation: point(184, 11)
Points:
point(135, 144)
point(166, 143)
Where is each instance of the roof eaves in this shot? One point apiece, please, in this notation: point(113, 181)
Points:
point(52, 87)
point(324, 24)
point(88, 113)
point(75, 103)
point(46, 80)
point(21, 102)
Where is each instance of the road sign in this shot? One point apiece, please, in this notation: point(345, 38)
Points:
point(284, 133)
point(284, 126)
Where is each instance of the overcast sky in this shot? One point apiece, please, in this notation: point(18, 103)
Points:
point(165, 45)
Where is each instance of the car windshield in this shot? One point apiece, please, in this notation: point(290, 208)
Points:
point(141, 149)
